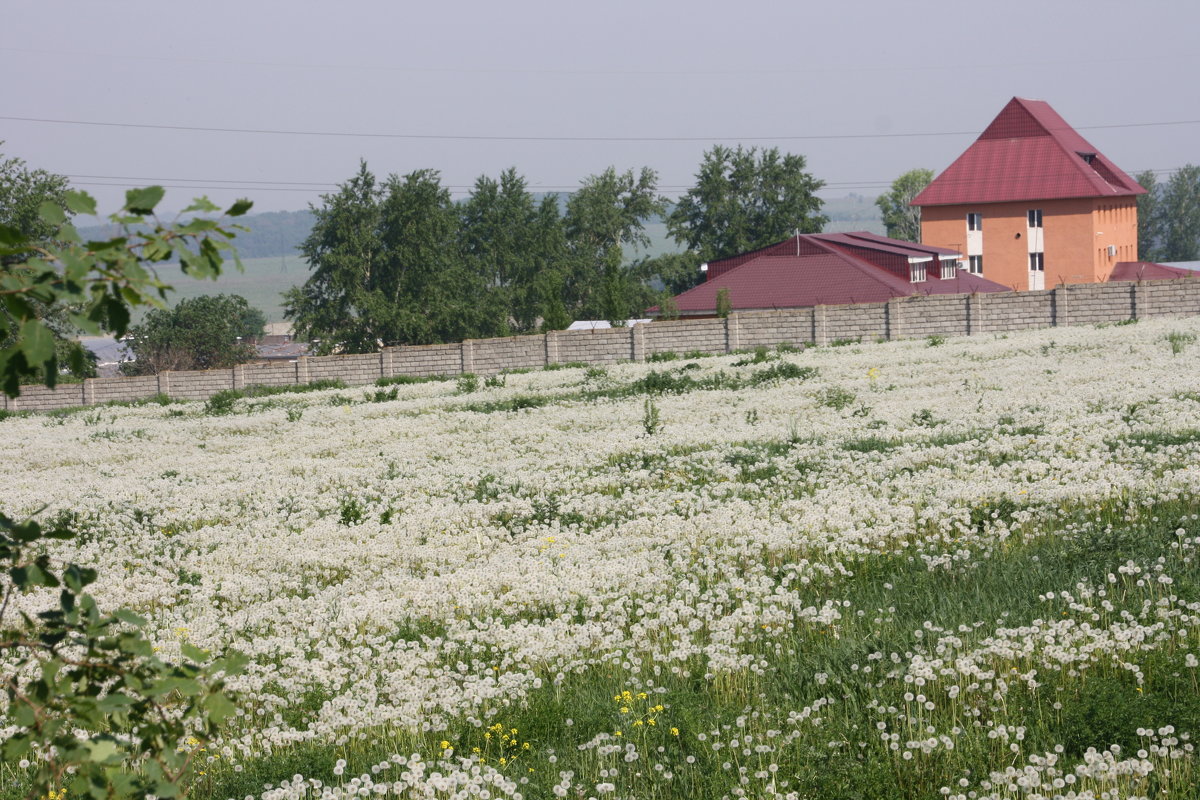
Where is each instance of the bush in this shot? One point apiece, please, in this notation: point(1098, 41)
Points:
point(222, 402)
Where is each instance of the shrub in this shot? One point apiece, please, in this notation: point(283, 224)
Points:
point(222, 402)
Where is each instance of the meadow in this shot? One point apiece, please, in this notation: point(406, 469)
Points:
point(960, 568)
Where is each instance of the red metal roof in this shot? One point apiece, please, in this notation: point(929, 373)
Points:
point(829, 269)
point(1028, 152)
point(1148, 271)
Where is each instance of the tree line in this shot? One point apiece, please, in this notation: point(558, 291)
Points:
point(397, 261)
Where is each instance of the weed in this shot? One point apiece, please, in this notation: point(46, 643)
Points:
point(402, 380)
point(846, 342)
point(925, 418)
point(651, 419)
point(668, 355)
point(495, 381)
point(351, 511)
point(1179, 341)
point(384, 395)
point(761, 355)
point(935, 340)
point(835, 397)
point(294, 414)
point(222, 402)
point(564, 365)
point(467, 383)
point(752, 416)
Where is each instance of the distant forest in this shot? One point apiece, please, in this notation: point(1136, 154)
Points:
point(279, 233)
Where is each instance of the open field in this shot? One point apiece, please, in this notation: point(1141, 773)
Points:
point(948, 567)
point(262, 283)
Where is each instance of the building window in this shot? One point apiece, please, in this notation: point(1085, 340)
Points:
point(1035, 217)
point(975, 222)
point(949, 269)
point(975, 265)
point(1037, 262)
point(916, 272)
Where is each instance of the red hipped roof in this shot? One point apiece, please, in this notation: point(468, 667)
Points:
point(1148, 271)
point(1028, 153)
point(826, 269)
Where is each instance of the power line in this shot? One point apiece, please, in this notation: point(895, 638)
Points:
point(489, 138)
point(313, 187)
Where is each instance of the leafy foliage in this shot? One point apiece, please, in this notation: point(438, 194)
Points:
point(745, 199)
point(903, 221)
point(1169, 216)
point(95, 712)
point(96, 282)
point(207, 332)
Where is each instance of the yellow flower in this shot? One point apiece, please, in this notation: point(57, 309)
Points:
point(445, 745)
point(616, 733)
point(674, 731)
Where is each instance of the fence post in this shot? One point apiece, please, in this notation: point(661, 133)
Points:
point(1061, 317)
point(551, 342)
point(637, 343)
point(239, 377)
point(164, 383)
point(467, 351)
point(895, 327)
point(1140, 305)
point(385, 363)
point(732, 334)
point(301, 370)
point(89, 391)
point(974, 314)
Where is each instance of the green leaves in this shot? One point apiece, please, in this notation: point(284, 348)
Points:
point(142, 201)
point(81, 203)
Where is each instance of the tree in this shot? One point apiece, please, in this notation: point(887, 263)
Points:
point(23, 191)
point(903, 220)
point(206, 332)
point(1148, 216)
point(608, 212)
point(746, 199)
point(386, 268)
point(507, 240)
point(1179, 216)
point(73, 666)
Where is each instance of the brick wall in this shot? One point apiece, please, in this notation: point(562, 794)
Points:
point(902, 318)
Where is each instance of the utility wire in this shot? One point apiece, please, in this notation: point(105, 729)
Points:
point(483, 138)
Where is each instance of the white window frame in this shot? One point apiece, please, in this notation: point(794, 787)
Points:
point(975, 265)
point(1033, 218)
point(916, 269)
point(1037, 262)
point(974, 221)
point(950, 268)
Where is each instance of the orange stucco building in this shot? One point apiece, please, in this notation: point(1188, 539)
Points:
point(1032, 204)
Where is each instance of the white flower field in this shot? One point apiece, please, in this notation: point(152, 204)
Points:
point(962, 568)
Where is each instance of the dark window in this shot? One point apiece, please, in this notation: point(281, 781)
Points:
point(1035, 217)
point(974, 222)
point(1037, 262)
point(975, 265)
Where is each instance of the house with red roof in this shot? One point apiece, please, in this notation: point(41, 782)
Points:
point(1032, 204)
point(829, 269)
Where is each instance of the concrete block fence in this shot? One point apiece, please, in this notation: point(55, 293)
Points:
point(900, 318)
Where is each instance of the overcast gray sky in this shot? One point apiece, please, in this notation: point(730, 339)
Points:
point(480, 78)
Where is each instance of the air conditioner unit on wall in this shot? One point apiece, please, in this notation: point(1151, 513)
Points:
point(1112, 250)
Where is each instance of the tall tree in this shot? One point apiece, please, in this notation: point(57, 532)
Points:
point(745, 199)
point(507, 241)
point(1180, 215)
point(1148, 209)
point(206, 332)
point(606, 214)
point(902, 220)
point(385, 268)
point(343, 251)
point(23, 193)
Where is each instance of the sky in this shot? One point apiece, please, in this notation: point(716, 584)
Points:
point(278, 101)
